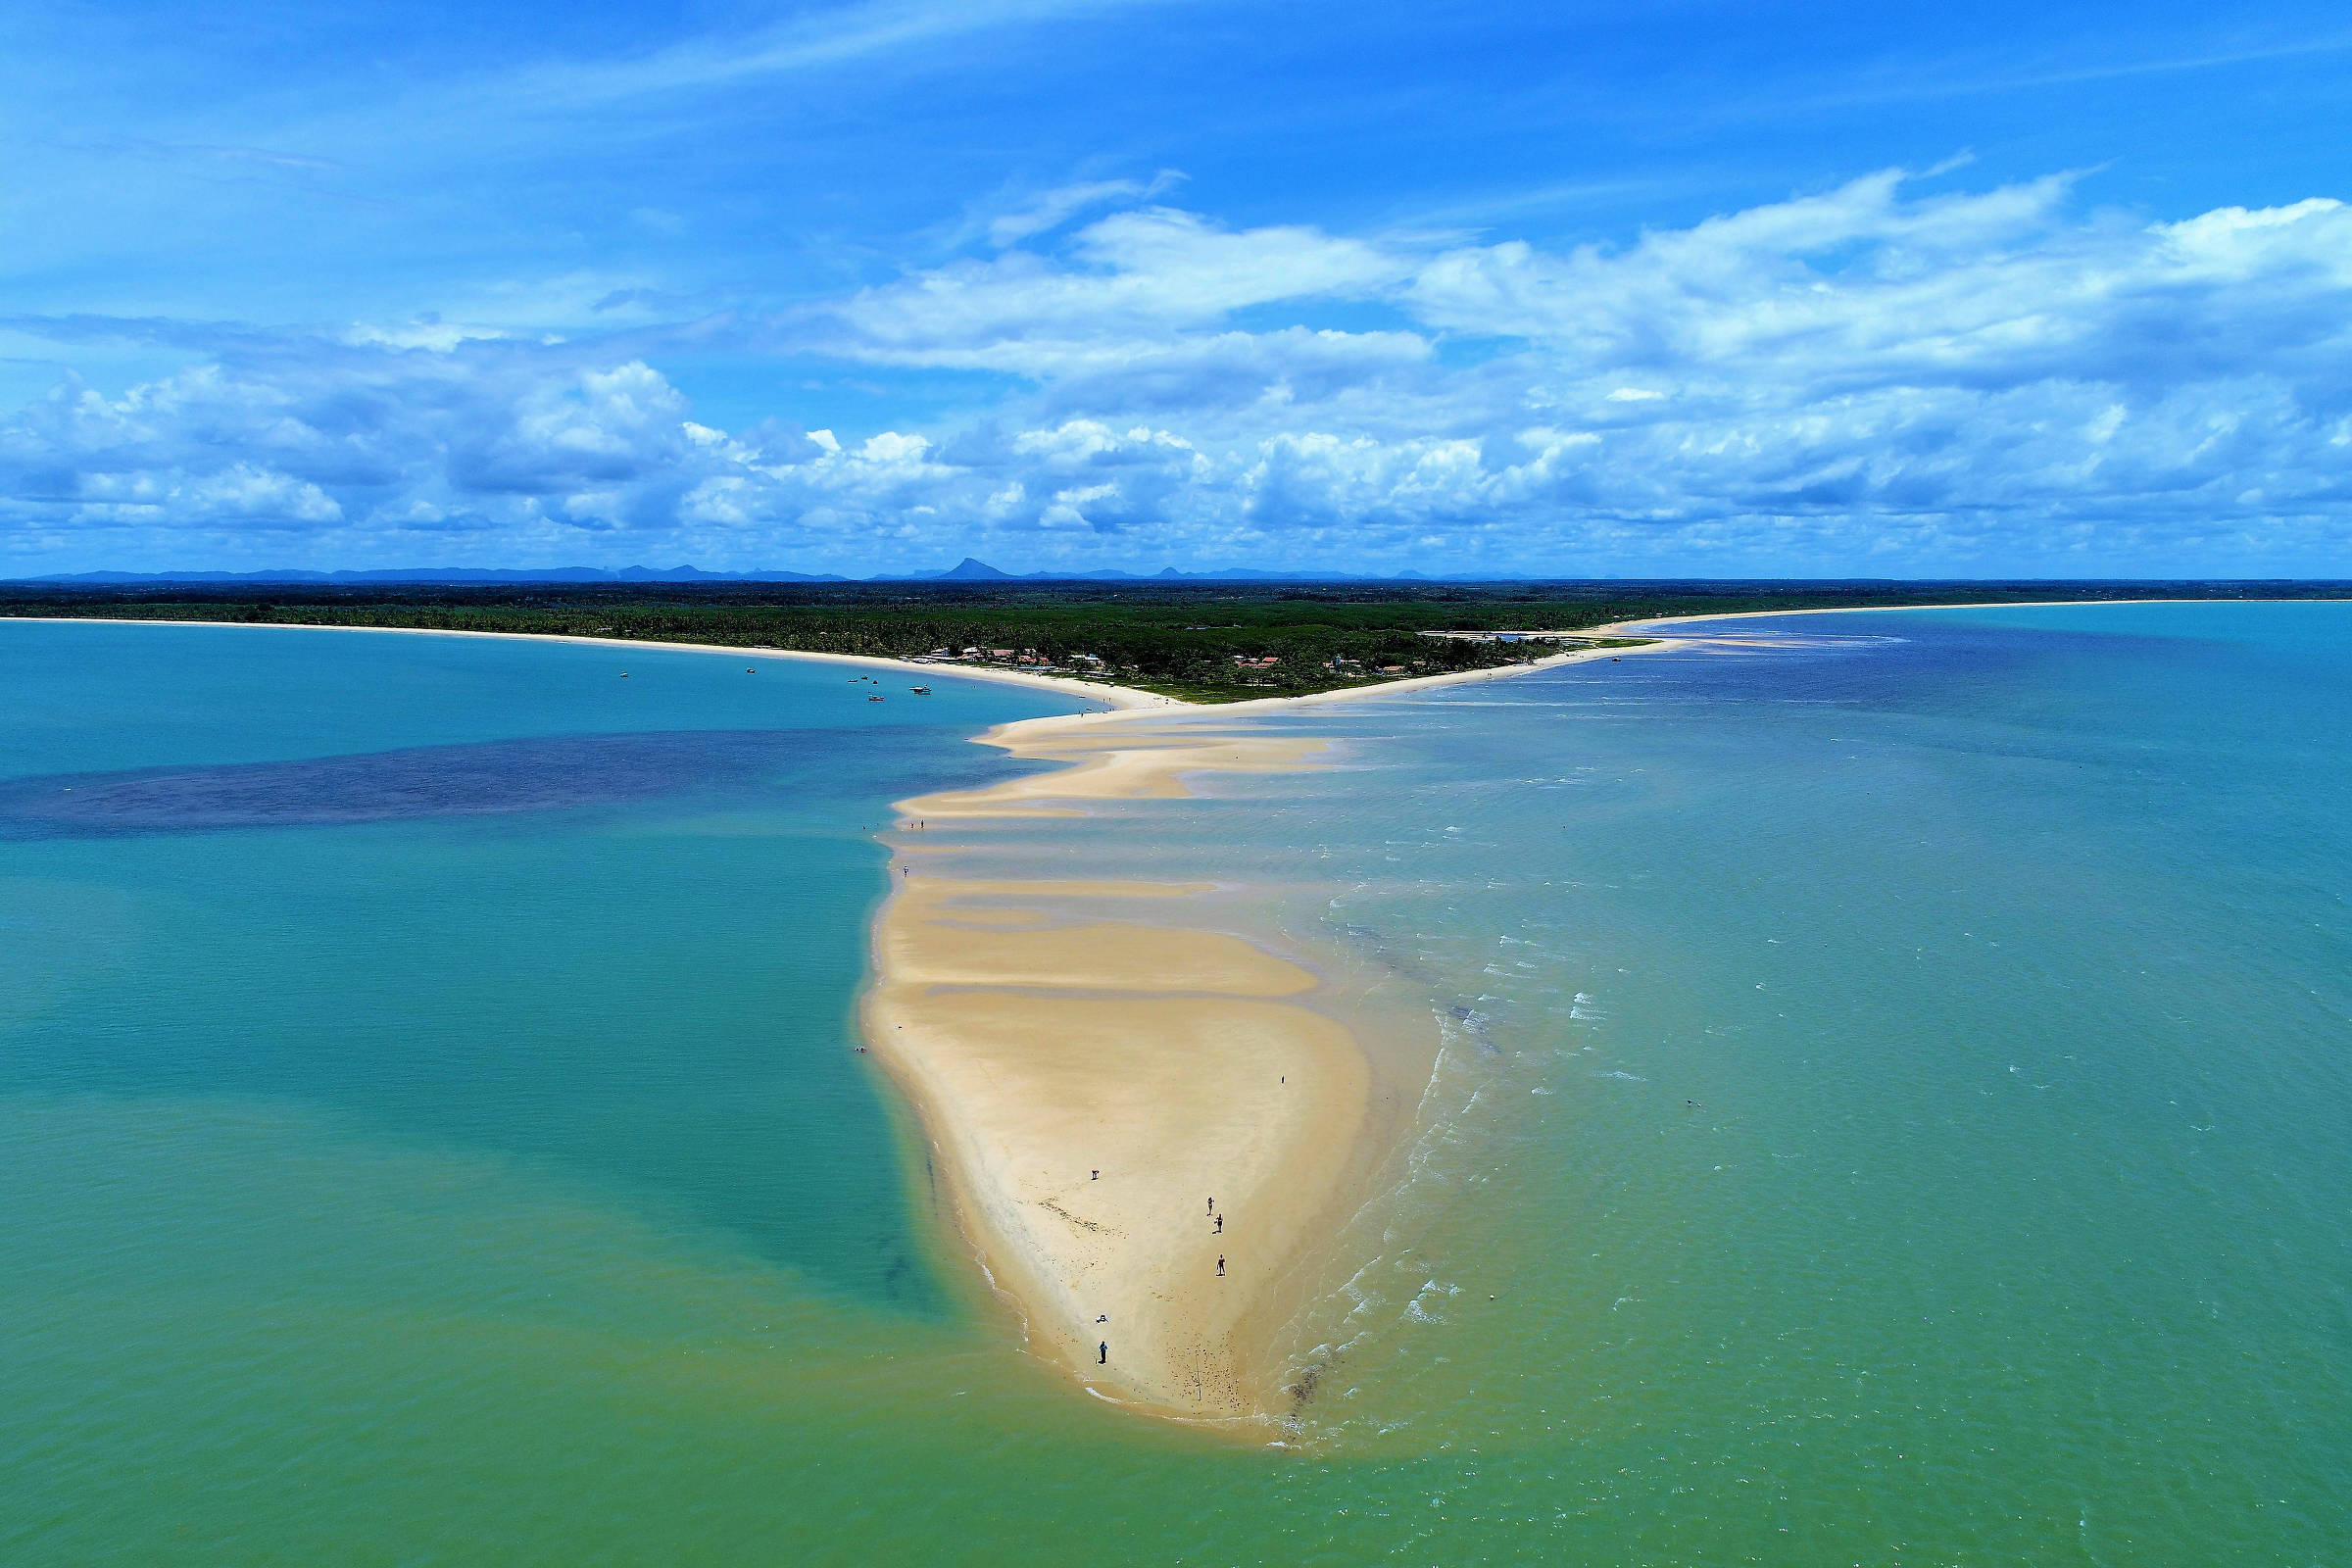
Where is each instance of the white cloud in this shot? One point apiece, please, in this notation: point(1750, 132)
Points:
point(1050, 210)
point(1136, 286)
point(1858, 379)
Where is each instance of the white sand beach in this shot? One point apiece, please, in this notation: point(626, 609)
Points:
point(1092, 1072)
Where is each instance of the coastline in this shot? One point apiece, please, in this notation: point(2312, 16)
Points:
point(1118, 697)
point(1117, 701)
point(1127, 699)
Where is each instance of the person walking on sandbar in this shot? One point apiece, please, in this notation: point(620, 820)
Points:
point(1220, 1230)
point(1103, 1353)
point(1220, 1265)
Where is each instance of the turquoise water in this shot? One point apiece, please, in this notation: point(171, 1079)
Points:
point(604, 931)
point(1895, 1091)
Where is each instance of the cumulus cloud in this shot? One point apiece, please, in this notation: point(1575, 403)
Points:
point(1134, 288)
point(1861, 379)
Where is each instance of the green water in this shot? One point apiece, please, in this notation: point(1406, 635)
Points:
point(1896, 1091)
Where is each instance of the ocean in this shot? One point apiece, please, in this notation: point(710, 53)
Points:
point(1893, 1108)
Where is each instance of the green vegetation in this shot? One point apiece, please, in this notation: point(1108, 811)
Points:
point(1206, 642)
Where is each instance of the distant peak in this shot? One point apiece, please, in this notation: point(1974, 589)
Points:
point(971, 566)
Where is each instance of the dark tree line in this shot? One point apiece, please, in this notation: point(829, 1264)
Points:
point(1197, 640)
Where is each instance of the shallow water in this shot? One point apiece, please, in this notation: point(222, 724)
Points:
point(1894, 1093)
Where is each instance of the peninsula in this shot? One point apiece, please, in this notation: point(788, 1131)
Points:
point(1148, 1126)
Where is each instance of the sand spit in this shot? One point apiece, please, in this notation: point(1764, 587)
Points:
point(1133, 759)
point(1094, 1066)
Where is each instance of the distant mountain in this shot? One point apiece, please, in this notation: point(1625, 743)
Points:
point(970, 570)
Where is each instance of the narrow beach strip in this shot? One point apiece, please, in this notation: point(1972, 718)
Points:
point(1145, 1124)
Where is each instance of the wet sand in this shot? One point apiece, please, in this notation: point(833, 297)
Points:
point(1048, 1029)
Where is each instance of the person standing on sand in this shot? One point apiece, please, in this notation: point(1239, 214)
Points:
point(1220, 1230)
point(1220, 1265)
point(1212, 1205)
point(1103, 1353)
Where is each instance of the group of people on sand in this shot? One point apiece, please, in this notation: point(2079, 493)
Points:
point(1103, 1347)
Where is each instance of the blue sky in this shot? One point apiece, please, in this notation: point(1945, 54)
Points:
point(1580, 289)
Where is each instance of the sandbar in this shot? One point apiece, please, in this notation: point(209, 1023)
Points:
point(1095, 1064)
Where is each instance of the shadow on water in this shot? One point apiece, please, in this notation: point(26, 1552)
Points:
point(549, 773)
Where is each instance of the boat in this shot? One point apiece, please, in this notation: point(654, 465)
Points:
point(920, 691)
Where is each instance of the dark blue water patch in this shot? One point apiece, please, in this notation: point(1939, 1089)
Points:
point(548, 774)
point(630, 960)
point(1893, 662)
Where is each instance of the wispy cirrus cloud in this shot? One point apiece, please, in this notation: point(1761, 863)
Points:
point(1048, 210)
point(819, 39)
